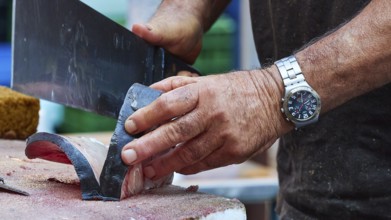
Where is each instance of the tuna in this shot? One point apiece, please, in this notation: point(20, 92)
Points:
point(101, 172)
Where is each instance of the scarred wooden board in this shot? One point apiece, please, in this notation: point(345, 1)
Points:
point(55, 194)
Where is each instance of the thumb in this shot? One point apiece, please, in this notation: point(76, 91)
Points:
point(148, 33)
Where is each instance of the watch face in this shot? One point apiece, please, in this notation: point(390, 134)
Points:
point(302, 105)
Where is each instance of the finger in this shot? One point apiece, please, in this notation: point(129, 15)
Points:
point(215, 160)
point(155, 32)
point(184, 73)
point(222, 157)
point(173, 82)
point(182, 156)
point(162, 138)
point(195, 75)
point(146, 32)
point(187, 73)
point(168, 106)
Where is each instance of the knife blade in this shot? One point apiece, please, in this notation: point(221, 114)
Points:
point(66, 52)
point(7, 188)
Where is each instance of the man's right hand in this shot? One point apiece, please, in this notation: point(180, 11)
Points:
point(177, 26)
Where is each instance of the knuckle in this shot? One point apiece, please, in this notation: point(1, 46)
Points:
point(144, 152)
point(233, 153)
point(183, 127)
point(237, 155)
point(210, 164)
point(190, 170)
point(198, 121)
point(216, 161)
point(180, 81)
point(180, 130)
point(186, 97)
point(163, 104)
point(162, 167)
point(171, 136)
point(187, 156)
point(163, 164)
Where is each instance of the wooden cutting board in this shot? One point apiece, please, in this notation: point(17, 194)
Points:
point(55, 194)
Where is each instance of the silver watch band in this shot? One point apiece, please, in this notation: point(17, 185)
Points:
point(290, 71)
point(294, 81)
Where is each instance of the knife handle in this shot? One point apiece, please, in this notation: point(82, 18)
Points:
point(177, 65)
point(165, 65)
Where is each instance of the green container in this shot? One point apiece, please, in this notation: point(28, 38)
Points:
point(78, 121)
point(218, 47)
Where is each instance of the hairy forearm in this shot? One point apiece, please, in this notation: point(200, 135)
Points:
point(354, 59)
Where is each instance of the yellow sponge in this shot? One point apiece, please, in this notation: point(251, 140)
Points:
point(19, 114)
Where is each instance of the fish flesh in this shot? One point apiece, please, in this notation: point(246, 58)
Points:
point(102, 174)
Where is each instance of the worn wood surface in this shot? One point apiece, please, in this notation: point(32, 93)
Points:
point(55, 194)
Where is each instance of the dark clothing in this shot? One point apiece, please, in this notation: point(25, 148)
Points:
point(340, 167)
point(283, 26)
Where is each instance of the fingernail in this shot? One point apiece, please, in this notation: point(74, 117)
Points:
point(129, 156)
point(149, 172)
point(130, 126)
point(149, 27)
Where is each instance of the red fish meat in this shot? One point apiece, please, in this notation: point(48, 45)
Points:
point(100, 169)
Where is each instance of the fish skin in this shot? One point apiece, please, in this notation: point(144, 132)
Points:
point(115, 170)
point(116, 180)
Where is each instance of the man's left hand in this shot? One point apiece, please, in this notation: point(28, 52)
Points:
point(206, 122)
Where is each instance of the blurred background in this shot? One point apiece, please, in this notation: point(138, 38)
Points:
point(227, 46)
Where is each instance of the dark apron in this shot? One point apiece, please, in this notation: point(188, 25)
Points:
point(340, 167)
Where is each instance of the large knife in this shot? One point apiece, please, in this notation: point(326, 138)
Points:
point(66, 52)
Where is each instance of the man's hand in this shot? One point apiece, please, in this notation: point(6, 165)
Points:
point(178, 26)
point(224, 119)
point(212, 121)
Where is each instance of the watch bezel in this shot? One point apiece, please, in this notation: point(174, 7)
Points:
point(289, 93)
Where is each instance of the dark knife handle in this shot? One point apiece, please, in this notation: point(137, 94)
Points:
point(175, 65)
point(166, 65)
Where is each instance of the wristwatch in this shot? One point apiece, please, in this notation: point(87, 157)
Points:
point(301, 103)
